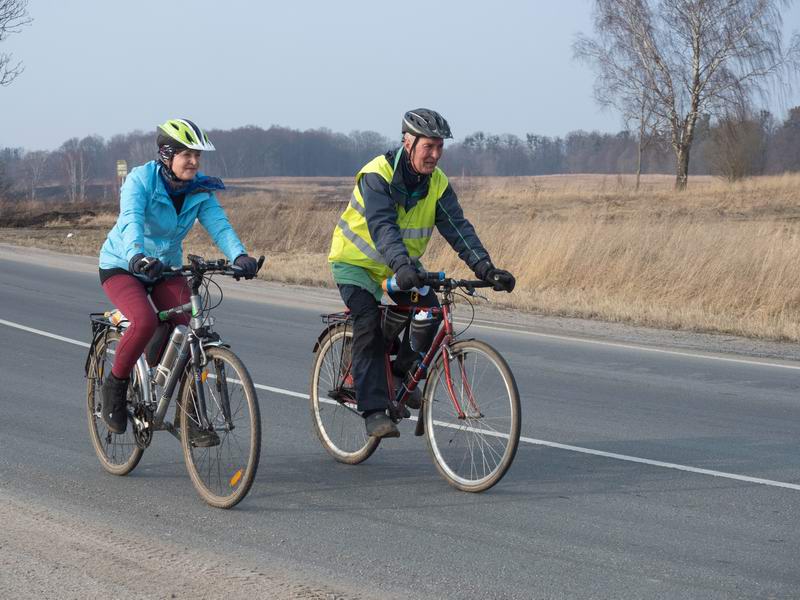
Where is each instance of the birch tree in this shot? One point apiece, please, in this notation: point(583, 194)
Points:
point(688, 57)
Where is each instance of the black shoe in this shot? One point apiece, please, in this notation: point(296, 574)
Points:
point(114, 395)
point(414, 399)
point(379, 425)
point(197, 437)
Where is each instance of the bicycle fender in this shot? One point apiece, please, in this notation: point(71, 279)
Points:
point(99, 330)
point(216, 344)
point(420, 428)
point(325, 332)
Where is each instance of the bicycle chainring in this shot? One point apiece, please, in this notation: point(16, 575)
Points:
point(143, 435)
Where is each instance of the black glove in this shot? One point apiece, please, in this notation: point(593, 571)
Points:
point(247, 264)
point(501, 280)
point(407, 276)
point(481, 269)
point(146, 266)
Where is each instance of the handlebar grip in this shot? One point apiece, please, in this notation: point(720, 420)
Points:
point(429, 278)
point(433, 277)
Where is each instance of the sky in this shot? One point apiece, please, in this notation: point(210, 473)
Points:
point(100, 67)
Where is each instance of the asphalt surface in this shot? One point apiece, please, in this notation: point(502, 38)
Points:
point(563, 523)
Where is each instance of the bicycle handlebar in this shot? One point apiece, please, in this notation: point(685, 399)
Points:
point(199, 266)
point(439, 282)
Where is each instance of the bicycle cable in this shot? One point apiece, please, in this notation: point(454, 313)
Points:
point(206, 297)
point(472, 308)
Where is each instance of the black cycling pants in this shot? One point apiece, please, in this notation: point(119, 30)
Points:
point(369, 346)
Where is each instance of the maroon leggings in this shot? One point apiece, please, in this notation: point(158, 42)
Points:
point(130, 296)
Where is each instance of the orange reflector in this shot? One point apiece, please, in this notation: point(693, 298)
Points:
point(236, 477)
point(204, 376)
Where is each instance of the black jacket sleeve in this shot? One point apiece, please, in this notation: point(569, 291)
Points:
point(381, 216)
point(457, 230)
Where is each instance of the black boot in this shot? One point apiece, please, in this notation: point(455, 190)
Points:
point(114, 396)
point(197, 437)
point(414, 399)
point(380, 426)
point(200, 438)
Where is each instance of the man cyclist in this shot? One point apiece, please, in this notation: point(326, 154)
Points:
point(398, 199)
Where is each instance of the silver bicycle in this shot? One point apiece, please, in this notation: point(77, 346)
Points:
point(217, 418)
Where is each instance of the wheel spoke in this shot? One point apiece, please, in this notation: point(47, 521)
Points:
point(223, 472)
point(339, 426)
point(118, 453)
point(474, 452)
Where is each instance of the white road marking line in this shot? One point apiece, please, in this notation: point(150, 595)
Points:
point(567, 338)
point(60, 338)
point(524, 439)
point(658, 463)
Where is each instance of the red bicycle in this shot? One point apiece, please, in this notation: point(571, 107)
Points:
point(470, 411)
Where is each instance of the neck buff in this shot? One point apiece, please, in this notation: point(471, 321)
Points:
point(201, 183)
point(411, 179)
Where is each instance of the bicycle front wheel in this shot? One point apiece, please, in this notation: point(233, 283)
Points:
point(223, 465)
point(337, 422)
point(472, 418)
point(118, 453)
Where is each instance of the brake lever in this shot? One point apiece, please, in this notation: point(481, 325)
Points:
point(472, 292)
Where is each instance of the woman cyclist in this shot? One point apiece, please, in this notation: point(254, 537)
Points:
point(159, 203)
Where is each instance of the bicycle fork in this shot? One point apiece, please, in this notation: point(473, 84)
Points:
point(222, 391)
point(198, 378)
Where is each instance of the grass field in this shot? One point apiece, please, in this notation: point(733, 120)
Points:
point(718, 257)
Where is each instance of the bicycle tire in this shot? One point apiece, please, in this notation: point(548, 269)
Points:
point(118, 453)
point(338, 426)
point(473, 452)
point(222, 474)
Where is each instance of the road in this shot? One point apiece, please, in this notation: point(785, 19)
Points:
point(642, 473)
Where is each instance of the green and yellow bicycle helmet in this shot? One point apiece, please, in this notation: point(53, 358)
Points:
point(182, 133)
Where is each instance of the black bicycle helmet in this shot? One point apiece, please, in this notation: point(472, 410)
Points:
point(427, 123)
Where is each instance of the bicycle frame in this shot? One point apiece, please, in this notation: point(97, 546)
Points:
point(442, 342)
point(198, 336)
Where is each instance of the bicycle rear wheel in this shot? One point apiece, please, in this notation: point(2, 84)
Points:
point(222, 472)
point(337, 422)
point(474, 449)
point(118, 453)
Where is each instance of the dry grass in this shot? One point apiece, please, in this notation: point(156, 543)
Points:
point(718, 257)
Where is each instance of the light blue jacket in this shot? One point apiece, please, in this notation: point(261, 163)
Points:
point(147, 222)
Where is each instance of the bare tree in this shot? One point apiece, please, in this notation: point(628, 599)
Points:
point(13, 15)
point(739, 144)
point(690, 56)
point(641, 112)
point(74, 161)
point(34, 164)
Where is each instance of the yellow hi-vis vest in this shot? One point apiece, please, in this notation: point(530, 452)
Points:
point(352, 243)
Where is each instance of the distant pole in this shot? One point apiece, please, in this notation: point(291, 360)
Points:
point(122, 173)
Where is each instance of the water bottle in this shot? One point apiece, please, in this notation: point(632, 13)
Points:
point(170, 354)
point(390, 285)
point(423, 315)
point(116, 317)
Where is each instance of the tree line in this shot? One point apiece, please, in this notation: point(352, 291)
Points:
point(85, 169)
